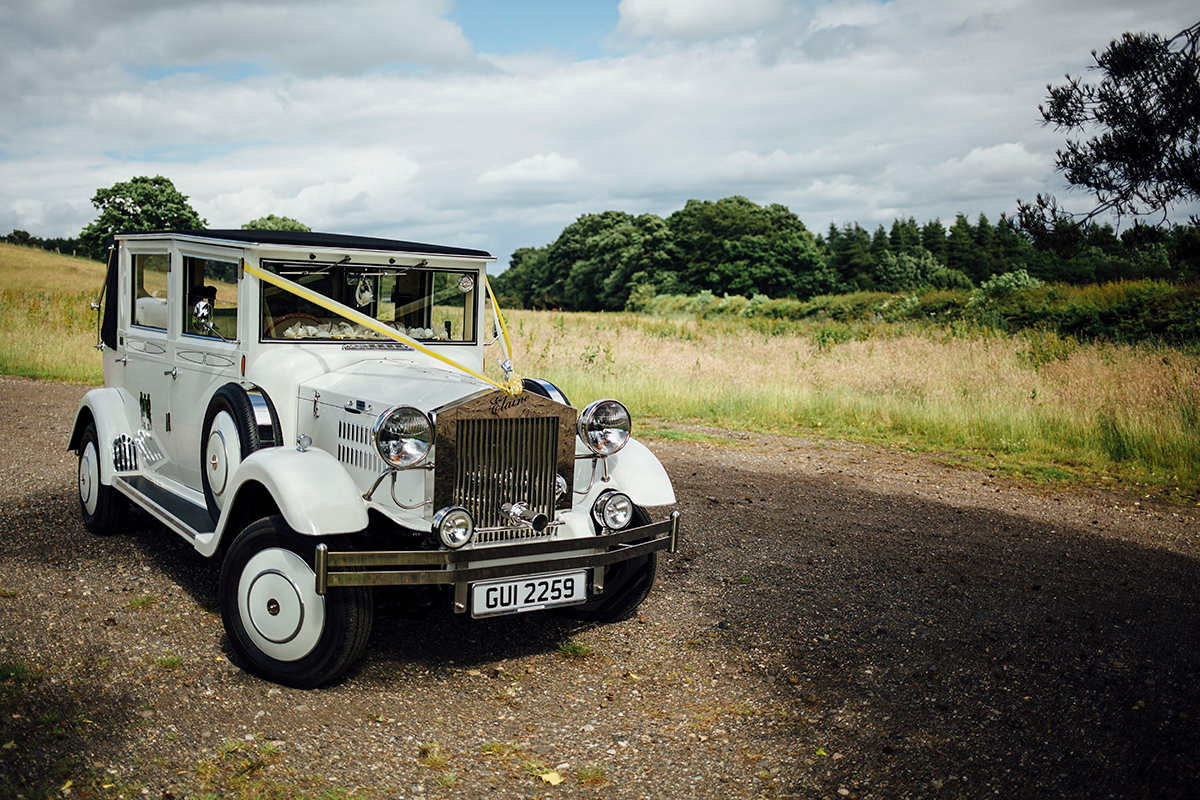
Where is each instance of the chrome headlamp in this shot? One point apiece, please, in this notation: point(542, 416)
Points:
point(403, 436)
point(454, 526)
point(604, 427)
point(612, 510)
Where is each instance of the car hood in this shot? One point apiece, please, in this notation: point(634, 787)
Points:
point(372, 387)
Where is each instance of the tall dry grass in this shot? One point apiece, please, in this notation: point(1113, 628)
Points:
point(1031, 400)
point(46, 327)
point(49, 335)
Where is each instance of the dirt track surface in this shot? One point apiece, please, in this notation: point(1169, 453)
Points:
point(840, 622)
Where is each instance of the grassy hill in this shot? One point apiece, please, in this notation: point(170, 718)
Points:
point(47, 329)
point(30, 268)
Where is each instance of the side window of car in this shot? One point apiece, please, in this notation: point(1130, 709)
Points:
point(214, 281)
point(150, 290)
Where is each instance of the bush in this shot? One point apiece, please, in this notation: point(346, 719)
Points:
point(950, 279)
point(944, 304)
point(1008, 283)
point(1126, 311)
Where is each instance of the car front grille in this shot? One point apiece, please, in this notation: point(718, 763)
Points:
point(498, 449)
point(504, 461)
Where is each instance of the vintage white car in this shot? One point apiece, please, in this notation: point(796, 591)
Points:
point(314, 410)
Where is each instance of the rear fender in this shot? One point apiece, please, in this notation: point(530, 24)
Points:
point(105, 408)
point(310, 489)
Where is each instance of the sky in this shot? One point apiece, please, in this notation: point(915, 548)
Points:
point(494, 124)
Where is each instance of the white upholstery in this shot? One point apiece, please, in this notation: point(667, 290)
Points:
point(151, 312)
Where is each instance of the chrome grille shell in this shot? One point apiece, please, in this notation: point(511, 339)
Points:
point(496, 448)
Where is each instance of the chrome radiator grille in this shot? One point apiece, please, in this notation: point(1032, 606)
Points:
point(496, 449)
point(505, 461)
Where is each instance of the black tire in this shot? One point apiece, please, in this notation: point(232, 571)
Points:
point(280, 628)
point(104, 509)
point(230, 414)
point(626, 585)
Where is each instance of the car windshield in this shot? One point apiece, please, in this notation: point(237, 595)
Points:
point(429, 305)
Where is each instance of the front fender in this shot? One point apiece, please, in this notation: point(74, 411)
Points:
point(105, 408)
point(641, 475)
point(314, 493)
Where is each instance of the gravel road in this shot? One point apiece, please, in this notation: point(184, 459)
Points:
point(840, 622)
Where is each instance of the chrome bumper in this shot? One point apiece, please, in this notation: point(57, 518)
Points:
point(457, 567)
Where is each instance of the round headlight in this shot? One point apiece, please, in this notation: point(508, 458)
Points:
point(453, 526)
point(612, 510)
point(403, 436)
point(604, 427)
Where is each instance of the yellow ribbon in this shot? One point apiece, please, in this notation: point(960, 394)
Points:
point(512, 384)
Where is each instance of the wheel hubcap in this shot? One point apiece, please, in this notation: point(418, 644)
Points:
point(276, 607)
point(89, 478)
point(222, 454)
point(280, 609)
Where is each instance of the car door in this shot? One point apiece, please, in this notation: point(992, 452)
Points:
point(205, 356)
point(146, 356)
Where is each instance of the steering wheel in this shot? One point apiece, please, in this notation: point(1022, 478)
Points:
point(286, 317)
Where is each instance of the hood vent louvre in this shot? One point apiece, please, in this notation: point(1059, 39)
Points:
point(356, 447)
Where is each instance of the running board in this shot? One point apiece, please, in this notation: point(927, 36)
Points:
point(182, 516)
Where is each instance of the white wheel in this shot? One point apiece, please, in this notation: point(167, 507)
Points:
point(89, 478)
point(277, 623)
point(102, 507)
point(279, 606)
point(222, 455)
point(230, 435)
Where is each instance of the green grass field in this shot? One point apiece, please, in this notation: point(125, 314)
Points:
point(1028, 403)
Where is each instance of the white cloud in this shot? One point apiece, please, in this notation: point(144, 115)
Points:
point(549, 168)
point(1002, 163)
point(697, 19)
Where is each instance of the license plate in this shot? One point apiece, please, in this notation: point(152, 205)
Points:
point(528, 594)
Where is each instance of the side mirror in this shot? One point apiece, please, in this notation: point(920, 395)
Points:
point(202, 319)
point(202, 316)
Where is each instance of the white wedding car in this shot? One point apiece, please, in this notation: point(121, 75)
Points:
point(314, 410)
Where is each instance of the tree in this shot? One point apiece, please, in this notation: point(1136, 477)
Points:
point(905, 236)
point(138, 204)
point(852, 258)
point(735, 246)
point(272, 222)
point(583, 255)
point(1145, 155)
point(881, 245)
point(961, 252)
point(526, 268)
point(933, 239)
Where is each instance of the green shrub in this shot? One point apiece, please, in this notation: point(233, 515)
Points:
point(1123, 311)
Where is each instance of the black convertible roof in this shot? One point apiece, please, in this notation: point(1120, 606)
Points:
point(314, 239)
